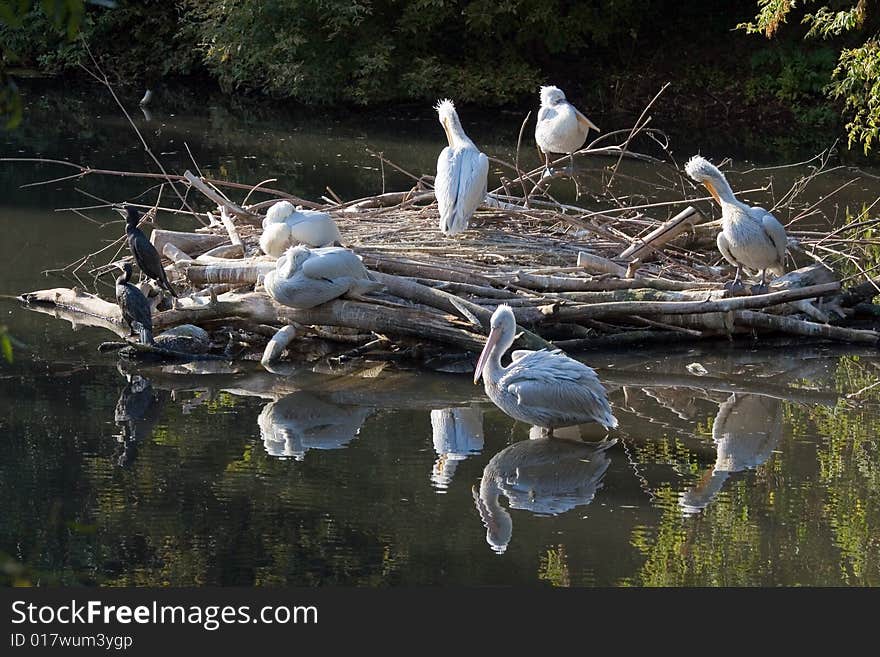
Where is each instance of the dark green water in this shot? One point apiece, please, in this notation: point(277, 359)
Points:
point(758, 472)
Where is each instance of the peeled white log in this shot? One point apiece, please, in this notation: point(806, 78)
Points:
point(278, 344)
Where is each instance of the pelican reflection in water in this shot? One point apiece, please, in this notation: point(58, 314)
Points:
point(301, 421)
point(457, 433)
point(746, 430)
point(546, 476)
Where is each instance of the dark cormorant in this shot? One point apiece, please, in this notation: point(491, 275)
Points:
point(145, 254)
point(134, 306)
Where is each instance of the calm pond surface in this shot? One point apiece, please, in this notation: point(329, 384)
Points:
point(753, 469)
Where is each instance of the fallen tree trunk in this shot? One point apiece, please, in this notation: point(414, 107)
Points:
point(624, 308)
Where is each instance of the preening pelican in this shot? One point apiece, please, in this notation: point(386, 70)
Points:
point(544, 388)
point(145, 254)
point(561, 127)
point(746, 430)
point(750, 237)
point(547, 476)
point(285, 226)
point(457, 433)
point(135, 307)
point(462, 174)
point(304, 278)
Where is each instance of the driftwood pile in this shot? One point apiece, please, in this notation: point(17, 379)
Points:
point(575, 278)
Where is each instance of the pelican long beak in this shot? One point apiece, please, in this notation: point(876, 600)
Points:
point(585, 121)
point(447, 131)
point(712, 191)
point(494, 336)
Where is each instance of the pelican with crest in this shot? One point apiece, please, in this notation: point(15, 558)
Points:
point(750, 237)
point(561, 127)
point(544, 388)
point(462, 174)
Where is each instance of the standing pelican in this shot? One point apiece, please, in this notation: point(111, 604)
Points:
point(145, 254)
point(750, 236)
point(561, 127)
point(304, 278)
point(285, 226)
point(462, 174)
point(544, 388)
point(134, 306)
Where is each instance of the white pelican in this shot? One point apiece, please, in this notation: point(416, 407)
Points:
point(561, 127)
point(544, 388)
point(462, 174)
point(750, 237)
point(457, 433)
point(301, 421)
point(546, 476)
point(285, 226)
point(304, 278)
point(746, 430)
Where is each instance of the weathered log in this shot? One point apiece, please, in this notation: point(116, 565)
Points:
point(408, 289)
point(278, 343)
point(623, 308)
point(415, 269)
point(245, 215)
point(231, 230)
point(800, 327)
point(225, 251)
point(192, 244)
point(599, 265)
point(261, 309)
point(241, 272)
point(683, 222)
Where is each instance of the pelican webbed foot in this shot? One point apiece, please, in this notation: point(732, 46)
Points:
point(735, 288)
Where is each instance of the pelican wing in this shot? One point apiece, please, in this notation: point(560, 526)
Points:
point(552, 380)
point(775, 231)
point(460, 186)
point(335, 264)
point(545, 113)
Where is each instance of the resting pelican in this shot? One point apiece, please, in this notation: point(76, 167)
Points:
point(145, 254)
point(547, 476)
point(750, 237)
point(285, 226)
point(544, 388)
point(304, 278)
point(746, 430)
point(462, 174)
point(561, 127)
point(457, 433)
point(135, 307)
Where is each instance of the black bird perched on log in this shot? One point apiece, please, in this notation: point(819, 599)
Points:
point(145, 254)
point(134, 306)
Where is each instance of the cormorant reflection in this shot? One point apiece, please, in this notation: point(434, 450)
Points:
point(138, 409)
